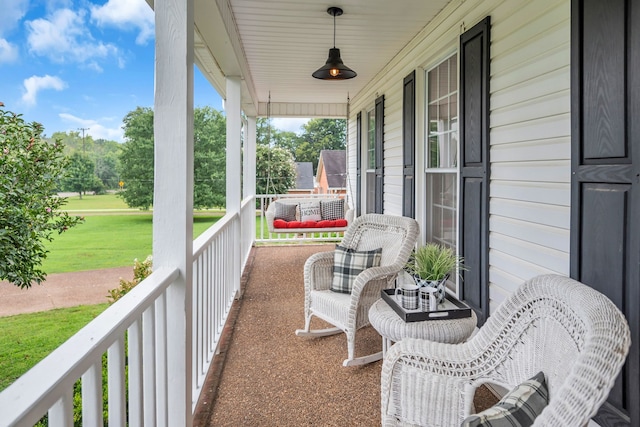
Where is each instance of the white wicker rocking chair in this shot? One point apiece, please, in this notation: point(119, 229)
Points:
point(553, 324)
point(396, 236)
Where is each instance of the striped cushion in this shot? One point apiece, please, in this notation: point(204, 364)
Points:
point(348, 263)
point(518, 408)
point(332, 209)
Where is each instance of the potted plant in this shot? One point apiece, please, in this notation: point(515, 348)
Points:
point(431, 265)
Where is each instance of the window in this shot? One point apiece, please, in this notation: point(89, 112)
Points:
point(371, 162)
point(371, 140)
point(442, 153)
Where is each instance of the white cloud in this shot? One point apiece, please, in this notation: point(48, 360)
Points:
point(34, 84)
point(64, 37)
point(289, 124)
point(127, 14)
point(8, 51)
point(12, 12)
point(95, 128)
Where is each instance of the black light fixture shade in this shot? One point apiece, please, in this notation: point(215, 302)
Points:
point(334, 68)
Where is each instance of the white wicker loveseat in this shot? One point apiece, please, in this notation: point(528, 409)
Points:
point(573, 334)
point(300, 226)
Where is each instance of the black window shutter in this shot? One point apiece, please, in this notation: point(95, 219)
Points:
point(474, 167)
point(605, 171)
point(359, 164)
point(379, 153)
point(408, 145)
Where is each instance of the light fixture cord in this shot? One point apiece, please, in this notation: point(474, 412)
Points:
point(334, 30)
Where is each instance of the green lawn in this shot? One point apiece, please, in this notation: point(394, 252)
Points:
point(28, 338)
point(106, 241)
point(91, 202)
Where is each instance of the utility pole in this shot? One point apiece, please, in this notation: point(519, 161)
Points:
point(83, 129)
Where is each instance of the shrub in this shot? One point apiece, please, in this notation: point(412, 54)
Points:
point(141, 270)
point(29, 207)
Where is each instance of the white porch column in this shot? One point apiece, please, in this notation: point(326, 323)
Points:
point(234, 167)
point(173, 198)
point(249, 159)
point(249, 174)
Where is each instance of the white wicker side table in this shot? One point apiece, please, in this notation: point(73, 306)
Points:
point(392, 328)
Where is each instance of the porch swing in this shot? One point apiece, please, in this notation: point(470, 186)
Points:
point(298, 215)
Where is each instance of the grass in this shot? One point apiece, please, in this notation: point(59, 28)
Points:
point(108, 241)
point(91, 202)
point(28, 338)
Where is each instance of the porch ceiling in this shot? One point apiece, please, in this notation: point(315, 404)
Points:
point(275, 45)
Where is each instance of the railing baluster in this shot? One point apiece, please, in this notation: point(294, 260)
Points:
point(161, 361)
point(135, 375)
point(149, 366)
point(116, 383)
point(92, 395)
point(61, 413)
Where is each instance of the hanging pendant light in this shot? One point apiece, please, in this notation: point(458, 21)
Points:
point(334, 69)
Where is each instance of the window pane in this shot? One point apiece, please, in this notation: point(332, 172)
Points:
point(442, 153)
point(371, 140)
point(442, 196)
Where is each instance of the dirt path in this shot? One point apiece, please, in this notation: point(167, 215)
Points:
point(62, 290)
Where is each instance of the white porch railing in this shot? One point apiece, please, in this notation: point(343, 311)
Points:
point(264, 236)
point(131, 335)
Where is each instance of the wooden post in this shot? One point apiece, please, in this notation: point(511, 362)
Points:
point(173, 198)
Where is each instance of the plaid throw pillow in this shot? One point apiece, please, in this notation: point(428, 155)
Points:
point(518, 408)
point(310, 211)
point(285, 211)
point(333, 209)
point(348, 263)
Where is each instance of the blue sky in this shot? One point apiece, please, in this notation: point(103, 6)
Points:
point(72, 64)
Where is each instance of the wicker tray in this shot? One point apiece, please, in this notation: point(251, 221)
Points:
point(450, 308)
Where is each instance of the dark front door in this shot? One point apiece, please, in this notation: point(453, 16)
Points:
point(605, 184)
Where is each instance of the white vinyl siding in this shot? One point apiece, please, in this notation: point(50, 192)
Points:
point(530, 144)
point(529, 129)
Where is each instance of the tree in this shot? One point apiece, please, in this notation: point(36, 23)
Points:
point(80, 174)
point(275, 170)
point(318, 135)
point(136, 159)
point(209, 162)
point(107, 169)
point(102, 152)
point(29, 207)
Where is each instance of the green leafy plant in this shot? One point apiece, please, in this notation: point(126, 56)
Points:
point(29, 206)
point(141, 270)
point(432, 262)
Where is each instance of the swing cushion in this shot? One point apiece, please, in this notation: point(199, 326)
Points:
point(310, 211)
point(285, 211)
point(279, 223)
point(332, 209)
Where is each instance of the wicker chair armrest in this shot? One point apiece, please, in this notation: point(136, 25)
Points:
point(372, 274)
point(318, 271)
point(428, 383)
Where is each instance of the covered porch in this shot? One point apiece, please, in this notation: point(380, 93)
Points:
point(512, 163)
point(265, 375)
